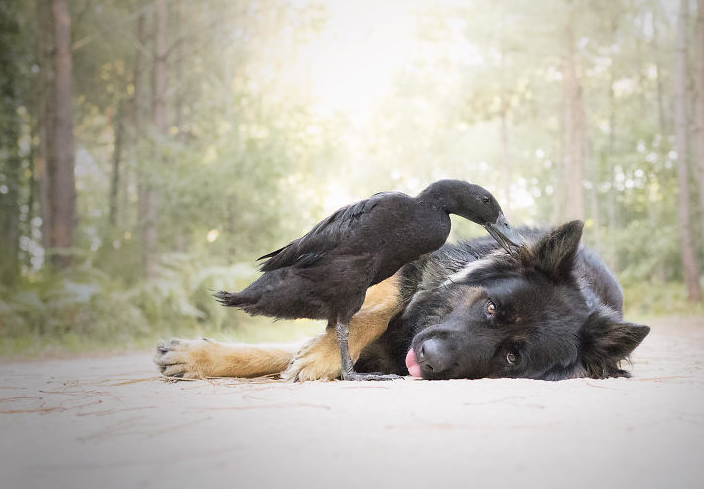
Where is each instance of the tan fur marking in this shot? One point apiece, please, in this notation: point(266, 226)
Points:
point(320, 357)
point(208, 358)
point(240, 360)
point(471, 294)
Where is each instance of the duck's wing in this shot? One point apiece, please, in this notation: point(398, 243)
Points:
point(337, 228)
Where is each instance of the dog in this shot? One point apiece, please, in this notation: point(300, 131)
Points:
point(551, 310)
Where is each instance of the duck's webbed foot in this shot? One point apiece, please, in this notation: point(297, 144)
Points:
point(369, 376)
point(348, 373)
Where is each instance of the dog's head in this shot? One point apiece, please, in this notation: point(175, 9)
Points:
point(522, 315)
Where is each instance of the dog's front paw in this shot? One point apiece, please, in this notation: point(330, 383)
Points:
point(181, 358)
point(318, 359)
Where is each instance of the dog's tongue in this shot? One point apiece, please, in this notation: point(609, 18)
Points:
point(411, 364)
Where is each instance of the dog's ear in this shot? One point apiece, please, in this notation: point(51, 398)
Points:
point(605, 341)
point(555, 252)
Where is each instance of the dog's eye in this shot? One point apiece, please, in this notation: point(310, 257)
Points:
point(511, 358)
point(490, 308)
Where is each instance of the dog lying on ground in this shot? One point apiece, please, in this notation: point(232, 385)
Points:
point(552, 310)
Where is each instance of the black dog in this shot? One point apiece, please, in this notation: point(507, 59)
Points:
point(551, 311)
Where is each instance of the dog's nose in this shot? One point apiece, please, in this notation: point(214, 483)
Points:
point(432, 356)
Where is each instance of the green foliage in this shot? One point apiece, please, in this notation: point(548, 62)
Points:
point(85, 308)
point(645, 300)
point(253, 157)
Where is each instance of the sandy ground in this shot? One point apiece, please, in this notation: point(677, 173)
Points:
point(110, 422)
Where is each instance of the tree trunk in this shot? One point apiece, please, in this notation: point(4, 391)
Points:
point(143, 173)
point(699, 105)
point(655, 212)
point(690, 270)
point(178, 69)
point(570, 201)
point(506, 169)
point(137, 105)
point(45, 114)
point(594, 173)
point(9, 148)
point(611, 210)
point(160, 120)
point(180, 241)
point(575, 132)
point(119, 130)
point(662, 116)
point(9, 200)
point(32, 184)
point(150, 203)
point(137, 111)
point(59, 183)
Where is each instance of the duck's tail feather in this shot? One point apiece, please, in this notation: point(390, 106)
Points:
point(234, 299)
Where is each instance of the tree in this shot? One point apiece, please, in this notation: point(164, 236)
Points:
point(149, 200)
point(202, 140)
point(58, 184)
point(698, 129)
point(689, 264)
point(569, 198)
point(119, 130)
point(10, 124)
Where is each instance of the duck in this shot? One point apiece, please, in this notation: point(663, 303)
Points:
point(325, 273)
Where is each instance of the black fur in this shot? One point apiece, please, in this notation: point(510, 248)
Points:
point(558, 313)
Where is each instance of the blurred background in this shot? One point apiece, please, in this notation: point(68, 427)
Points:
point(150, 150)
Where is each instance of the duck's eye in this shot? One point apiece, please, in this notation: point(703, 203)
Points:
point(490, 308)
point(486, 199)
point(511, 358)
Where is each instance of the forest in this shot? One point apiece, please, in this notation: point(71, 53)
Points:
point(150, 150)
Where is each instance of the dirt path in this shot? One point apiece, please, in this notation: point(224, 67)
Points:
point(103, 423)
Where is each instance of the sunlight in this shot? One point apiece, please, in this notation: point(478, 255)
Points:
point(353, 61)
point(212, 235)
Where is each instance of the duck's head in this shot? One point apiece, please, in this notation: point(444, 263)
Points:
point(476, 204)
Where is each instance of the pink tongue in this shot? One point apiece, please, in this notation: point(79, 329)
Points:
point(411, 364)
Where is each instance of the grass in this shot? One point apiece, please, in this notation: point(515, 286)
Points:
point(648, 300)
point(105, 332)
point(251, 330)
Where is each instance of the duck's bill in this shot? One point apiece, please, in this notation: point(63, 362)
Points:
point(504, 234)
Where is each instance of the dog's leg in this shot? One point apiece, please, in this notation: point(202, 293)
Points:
point(208, 358)
point(320, 357)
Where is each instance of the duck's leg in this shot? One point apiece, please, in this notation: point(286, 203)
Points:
point(342, 332)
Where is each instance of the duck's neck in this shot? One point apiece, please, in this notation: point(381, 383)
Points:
point(445, 195)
